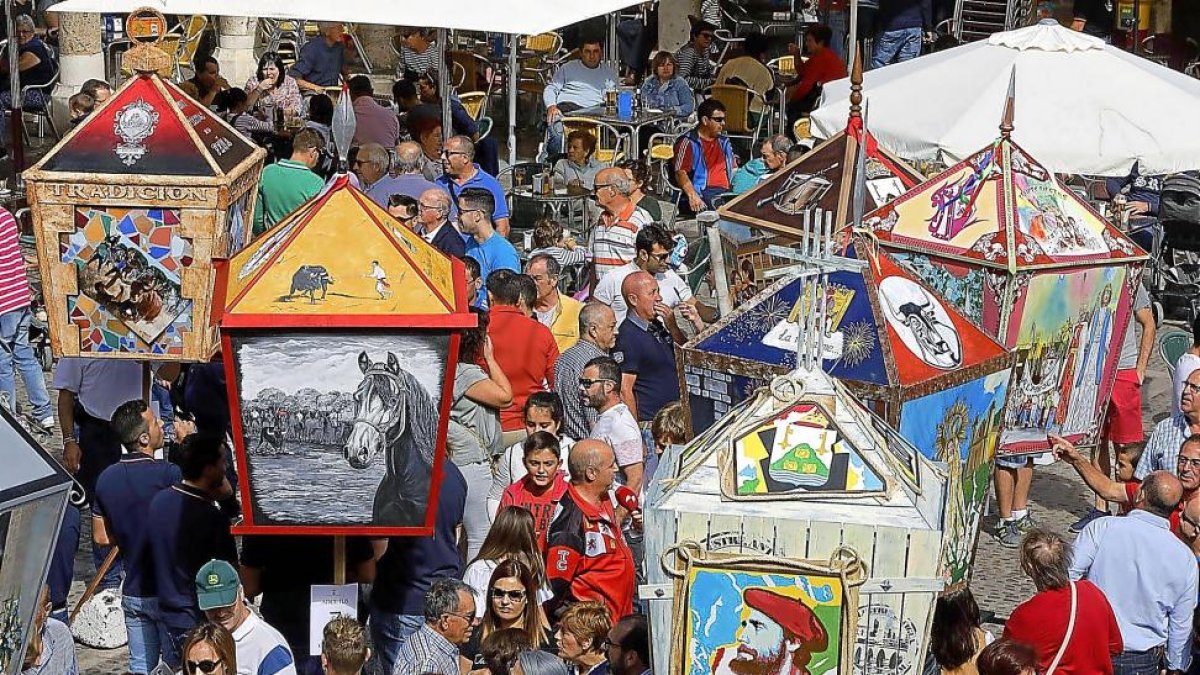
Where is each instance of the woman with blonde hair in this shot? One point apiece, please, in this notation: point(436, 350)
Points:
point(209, 649)
point(512, 537)
point(582, 634)
point(512, 602)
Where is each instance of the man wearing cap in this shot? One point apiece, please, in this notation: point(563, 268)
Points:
point(777, 637)
point(261, 650)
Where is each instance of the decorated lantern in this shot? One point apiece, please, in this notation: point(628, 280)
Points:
point(822, 180)
point(1025, 258)
point(929, 371)
point(801, 510)
point(129, 210)
point(33, 493)
point(340, 334)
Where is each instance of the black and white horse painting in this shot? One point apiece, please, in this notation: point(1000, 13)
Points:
point(395, 419)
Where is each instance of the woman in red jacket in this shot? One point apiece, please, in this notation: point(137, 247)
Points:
point(1069, 623)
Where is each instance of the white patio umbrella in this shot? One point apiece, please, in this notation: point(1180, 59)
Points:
point(514, 17)
point(1081, 106)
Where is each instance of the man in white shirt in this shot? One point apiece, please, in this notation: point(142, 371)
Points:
point(653, 249)
point(260, 649)
point(1187, 363)
point(576, 84)
point(600, 388)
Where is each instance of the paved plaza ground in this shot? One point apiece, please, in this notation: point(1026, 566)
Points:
point(1058, 498)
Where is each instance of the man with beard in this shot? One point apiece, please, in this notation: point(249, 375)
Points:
point(777, 637)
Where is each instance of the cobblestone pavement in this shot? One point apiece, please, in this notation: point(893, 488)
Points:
point(1058, 498)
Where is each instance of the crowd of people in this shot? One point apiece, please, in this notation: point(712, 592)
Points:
point(561, 408)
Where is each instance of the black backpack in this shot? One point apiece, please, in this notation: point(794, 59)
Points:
point(1180, 201)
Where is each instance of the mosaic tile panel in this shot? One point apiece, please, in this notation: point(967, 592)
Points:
point(129, 264)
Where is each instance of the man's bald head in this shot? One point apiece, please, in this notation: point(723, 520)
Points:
point(588, 456)
point(1161, 493)
point(641, 293)
point(408, 157)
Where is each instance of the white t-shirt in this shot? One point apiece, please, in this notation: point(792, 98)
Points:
point(673, 288)
point(617, 427)
point(261, 650)
point(1187, 363)
point(510, 468)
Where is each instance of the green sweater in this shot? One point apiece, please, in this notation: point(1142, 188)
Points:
point(285, 185)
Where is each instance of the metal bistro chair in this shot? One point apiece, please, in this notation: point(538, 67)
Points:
point(191, 32)
point(45, 112)
point(475, 103)
point(610, 141)
point(739, 119)
point(660, 157)
point(1172, 345)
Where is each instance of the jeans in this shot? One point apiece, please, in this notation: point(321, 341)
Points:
point(17, 356)
point(896, 46)
point(838, 20)
point(1137, 663)
point(475, 515)
point(554, 130)
point(388, 632)
point(146, 632)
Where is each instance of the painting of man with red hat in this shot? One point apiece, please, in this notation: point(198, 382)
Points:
point(748, 622)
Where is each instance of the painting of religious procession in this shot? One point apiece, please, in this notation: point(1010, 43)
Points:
point(960, 426)
point(1070, 333)
point(339, 429)
point(800, 450)
point(128, 267)
point(743, 619)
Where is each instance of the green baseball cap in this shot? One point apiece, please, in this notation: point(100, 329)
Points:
point(216, 585)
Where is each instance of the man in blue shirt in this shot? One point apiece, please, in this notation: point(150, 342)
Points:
point(408, 568)
point(322, 62)
point(645, 349)
point(1148, 575)
point(186, 530)
point(487, 246)
point(460, 172)
point(120, 515)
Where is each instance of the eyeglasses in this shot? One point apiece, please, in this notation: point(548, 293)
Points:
point(516, 596)
point(430, 207)
point(585, 383)
point(718, 120)
point(600, 186)
point(661, 257)
point(1185, 462)
point(469, 618)
point(205, 666)
point(447, 153)
point(1189, 387)
point(461, 211)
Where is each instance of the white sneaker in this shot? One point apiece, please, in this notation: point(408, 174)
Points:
point(47, 423)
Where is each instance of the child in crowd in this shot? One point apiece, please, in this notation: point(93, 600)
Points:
point(543, 412)
point(548, 240)
point(81, 105)
point(669, 427)
point(474, 279)
point(543, 485)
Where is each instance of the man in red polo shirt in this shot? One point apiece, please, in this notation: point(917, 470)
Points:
point(588, 558)
point(524, 348)
point(822, 67)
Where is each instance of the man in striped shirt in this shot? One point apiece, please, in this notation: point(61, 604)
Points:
point(16, 355)
point(613, 236)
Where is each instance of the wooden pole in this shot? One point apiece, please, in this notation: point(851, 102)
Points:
point(91, 589)
point(339, 560)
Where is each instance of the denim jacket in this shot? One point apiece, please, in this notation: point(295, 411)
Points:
point(674, 97)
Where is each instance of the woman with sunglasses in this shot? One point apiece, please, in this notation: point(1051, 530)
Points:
point(583, 636)
point(271, 86)
point(209, 649)
point(512, 537)
point(511, 602)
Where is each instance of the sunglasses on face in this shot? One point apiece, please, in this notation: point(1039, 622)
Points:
point(718, 120)
point(661, 257)
point(515, 596)
point(205, 666)
point(585, 383)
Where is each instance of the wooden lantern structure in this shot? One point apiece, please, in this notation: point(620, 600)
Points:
point(799, 492)
point(929, 372)
point(34, 489)
point(824, 179)
point(1037, 268)
point(130, 209)
point(340, 332)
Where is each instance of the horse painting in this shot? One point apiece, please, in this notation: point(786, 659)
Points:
point(394, 416)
